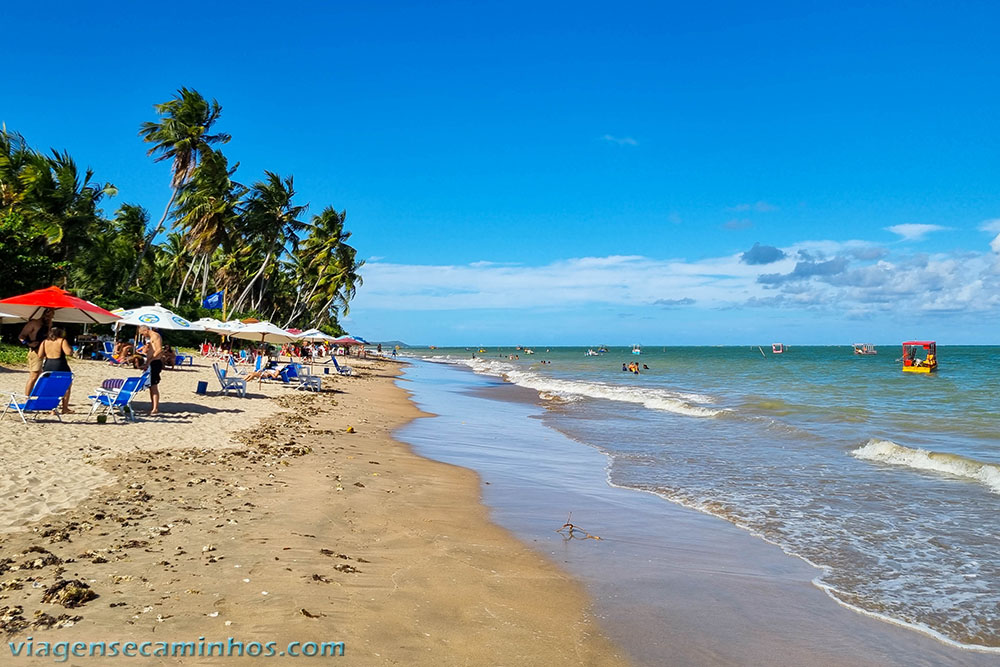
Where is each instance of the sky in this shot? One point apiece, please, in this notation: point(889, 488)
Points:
point(577, 173)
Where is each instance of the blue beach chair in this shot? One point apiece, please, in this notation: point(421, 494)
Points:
point(343, 370)
point(46, 396)
point(119, 400)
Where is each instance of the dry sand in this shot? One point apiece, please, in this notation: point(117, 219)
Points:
point(263, 519)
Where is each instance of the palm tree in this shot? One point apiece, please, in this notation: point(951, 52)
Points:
point(272, 224)
point(207, 211)
point(182, 136)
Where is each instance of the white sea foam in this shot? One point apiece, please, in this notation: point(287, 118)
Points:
point(885, 451)
point(570, 390)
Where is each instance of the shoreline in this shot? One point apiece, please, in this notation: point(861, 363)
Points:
point(398, 557)
point(672, 584)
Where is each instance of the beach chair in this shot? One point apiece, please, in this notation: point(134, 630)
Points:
point(343, 370)
point(182, 359)
point(228, 382)
point(46, 396)
point(119, 400)
point(306, 380)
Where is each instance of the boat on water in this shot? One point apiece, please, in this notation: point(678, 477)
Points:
point(602, 349)
point(778, 348)
point(636, 349)
point(911, 364)
point(591, 353)
point(864, 348)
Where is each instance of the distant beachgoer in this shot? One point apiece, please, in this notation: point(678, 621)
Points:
point(645, 367)
point(393, 353)
point(53, 351)
point(32, 335)
point(154, 363)
point(623, 367)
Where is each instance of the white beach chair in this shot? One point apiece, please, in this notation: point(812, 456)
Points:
point(228, 382)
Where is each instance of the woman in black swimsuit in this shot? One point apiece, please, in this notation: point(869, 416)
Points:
point(53, 351)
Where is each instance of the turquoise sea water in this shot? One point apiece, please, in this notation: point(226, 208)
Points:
point(888, 482)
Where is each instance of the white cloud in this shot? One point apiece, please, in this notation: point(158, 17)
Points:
point(621, 141)
point(914, 231)
point(990, 225)
point(760, 207)
point(826, 275)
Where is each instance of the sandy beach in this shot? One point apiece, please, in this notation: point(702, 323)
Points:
point(266, 521)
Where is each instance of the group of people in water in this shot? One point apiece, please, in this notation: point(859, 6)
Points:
point(633, 367)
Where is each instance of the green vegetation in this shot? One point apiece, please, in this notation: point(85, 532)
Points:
point(253, 241)
point(13, 355)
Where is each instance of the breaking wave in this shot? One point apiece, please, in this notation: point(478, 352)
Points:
point(571, 390)
point(885, 451)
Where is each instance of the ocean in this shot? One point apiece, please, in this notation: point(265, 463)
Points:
point(887, 482)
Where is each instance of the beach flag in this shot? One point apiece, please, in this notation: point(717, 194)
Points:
point(213, 301)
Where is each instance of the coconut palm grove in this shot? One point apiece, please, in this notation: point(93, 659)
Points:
point(252, 239)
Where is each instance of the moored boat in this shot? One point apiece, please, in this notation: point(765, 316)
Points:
point(911, 364)
point(864, 348)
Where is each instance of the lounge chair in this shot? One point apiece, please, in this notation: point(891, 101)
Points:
point(119, 400)
point(343, 370)
point(46, 396)
point(306, 380)
point(182, 359)
point(229, 382)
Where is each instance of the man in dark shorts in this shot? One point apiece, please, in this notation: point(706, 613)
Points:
point(154, 363)
point(33, 333)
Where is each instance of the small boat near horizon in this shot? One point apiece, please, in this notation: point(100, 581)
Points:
point(591, 353)
point(911, 364)
point(636, 349)
point(778, 348)
point(865, 348)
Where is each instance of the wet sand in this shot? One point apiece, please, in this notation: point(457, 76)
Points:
point(265, 520)
point(671, 585)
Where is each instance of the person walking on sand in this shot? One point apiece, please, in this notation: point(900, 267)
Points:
point(53, 352)
point(32, 335)
point(154, 364)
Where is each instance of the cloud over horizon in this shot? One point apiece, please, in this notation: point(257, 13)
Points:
point(914, 231)
point(838, 277)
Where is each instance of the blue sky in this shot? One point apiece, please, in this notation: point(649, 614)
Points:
point(577, 173)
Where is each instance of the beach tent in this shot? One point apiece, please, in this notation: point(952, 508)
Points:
point(68, 308)
point(263, 332)
point(155, 316)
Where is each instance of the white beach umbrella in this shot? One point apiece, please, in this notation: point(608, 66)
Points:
point(263, 332)
point(224, 328)
point(156, 317)
point(7, 318)
point(315, 335)
point(207, 323)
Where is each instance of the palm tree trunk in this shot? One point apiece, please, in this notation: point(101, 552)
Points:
point(204, 276)
point(246, 290)
point(180, 293)
point(148, 241)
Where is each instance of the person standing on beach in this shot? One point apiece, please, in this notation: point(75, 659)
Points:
point(53, 352)
point(33, 333)
point(154, 364)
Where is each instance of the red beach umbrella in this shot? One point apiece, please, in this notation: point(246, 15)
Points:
point(347, 341)
point(68, 308)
